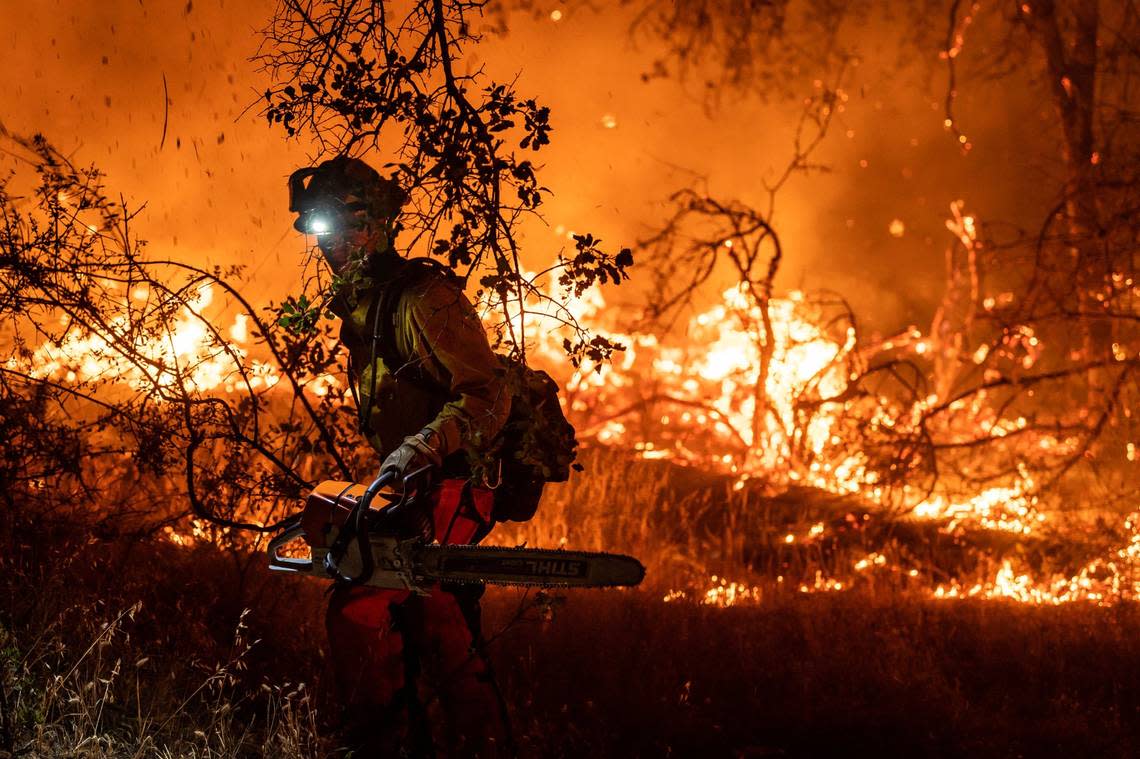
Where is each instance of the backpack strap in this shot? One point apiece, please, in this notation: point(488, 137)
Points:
point(384, 325)
point(381, 317)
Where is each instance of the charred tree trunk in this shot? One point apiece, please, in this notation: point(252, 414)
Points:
point(1071, 63)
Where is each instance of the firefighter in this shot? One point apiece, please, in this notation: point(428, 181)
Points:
point(430, 393)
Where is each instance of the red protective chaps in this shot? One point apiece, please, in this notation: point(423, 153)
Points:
point(380, 640)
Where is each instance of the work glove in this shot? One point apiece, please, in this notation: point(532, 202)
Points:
point(416, 452)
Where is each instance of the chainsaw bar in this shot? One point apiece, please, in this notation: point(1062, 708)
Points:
point(526, 566)
point(411, 564)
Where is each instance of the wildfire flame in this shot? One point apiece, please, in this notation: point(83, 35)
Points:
point(184, 353)
point(710, 418)
point(701, 395)
point(706, 390)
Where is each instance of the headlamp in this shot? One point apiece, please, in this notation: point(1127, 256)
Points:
point(335, 196)
point(311, 205)
point(316, 223)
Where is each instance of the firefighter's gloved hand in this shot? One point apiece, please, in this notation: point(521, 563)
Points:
point(416, 452)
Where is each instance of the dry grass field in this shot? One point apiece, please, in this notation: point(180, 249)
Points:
point(112, 646)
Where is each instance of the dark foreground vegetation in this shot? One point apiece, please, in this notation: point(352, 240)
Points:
point(826, 676)
point(137, 647)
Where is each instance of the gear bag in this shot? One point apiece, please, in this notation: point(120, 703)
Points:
point(536, 444)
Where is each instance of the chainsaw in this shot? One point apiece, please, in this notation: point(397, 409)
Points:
point(336, 531)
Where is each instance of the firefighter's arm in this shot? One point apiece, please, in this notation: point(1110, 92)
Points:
point(448, 332)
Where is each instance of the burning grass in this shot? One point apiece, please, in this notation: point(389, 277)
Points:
point(830, 468)
point(706, 540)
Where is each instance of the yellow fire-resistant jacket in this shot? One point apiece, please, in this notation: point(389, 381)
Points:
point(451, 382)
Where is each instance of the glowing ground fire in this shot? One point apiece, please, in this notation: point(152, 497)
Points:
point(706, 413)
point(710, 420)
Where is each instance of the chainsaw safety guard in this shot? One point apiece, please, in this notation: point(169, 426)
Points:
point(381, 641)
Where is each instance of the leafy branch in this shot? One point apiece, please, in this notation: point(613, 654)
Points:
point(358, 77)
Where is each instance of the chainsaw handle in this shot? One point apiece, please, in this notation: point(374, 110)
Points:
point(276, 561)
point(358, 519)
point(412, 487)
point(359, 529)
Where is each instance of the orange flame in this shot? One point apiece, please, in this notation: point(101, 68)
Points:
point(186, 353)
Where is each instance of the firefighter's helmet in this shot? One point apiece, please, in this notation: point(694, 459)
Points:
point(341, 194)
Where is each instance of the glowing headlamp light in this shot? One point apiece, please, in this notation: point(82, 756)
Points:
point(318, 225)
point(324, 203)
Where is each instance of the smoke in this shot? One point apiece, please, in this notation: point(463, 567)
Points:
point(91, 77)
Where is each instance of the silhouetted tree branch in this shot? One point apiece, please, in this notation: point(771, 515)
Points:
point(370, 78)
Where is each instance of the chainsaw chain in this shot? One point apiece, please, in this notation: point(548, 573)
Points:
point(519, 549)
point(437, 548)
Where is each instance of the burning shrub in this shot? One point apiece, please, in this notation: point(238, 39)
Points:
point(127, 379)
